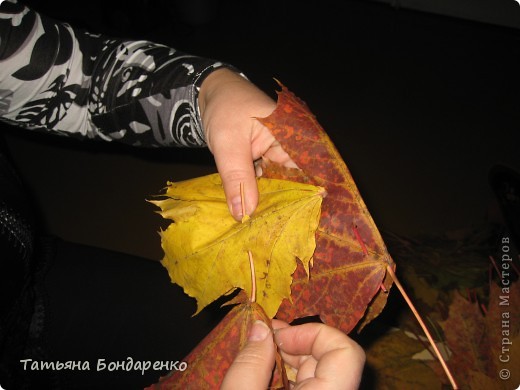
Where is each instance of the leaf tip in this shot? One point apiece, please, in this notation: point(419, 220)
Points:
point(278, 82)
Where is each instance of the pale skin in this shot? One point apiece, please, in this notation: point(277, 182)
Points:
point(229, 105)
point(323, 358)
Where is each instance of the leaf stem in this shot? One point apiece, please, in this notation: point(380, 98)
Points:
point(424, 344)
point(253, 277)
point(251, 262)
point(444, 344)
point(423, 326)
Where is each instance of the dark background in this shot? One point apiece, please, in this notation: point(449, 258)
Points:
point(420, 106)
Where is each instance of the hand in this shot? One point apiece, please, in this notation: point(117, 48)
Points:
point(229, 105)
point(323, 357)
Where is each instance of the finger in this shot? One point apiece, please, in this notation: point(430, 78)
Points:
point(310, 339)
point(265, 145)
point(235, 165)
point(278, 324)
point(341, 368)
point(254, 363)
point(323, 354)
point(278, 155)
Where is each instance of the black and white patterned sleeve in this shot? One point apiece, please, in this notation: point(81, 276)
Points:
point(65, 80)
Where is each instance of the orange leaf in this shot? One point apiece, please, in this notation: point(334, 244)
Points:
point(351, 258)
point(208, 363)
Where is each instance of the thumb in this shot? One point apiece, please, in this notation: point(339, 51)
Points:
point(253, 366)
point(237, 169)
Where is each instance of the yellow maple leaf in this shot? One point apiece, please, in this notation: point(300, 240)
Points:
point(206, 250)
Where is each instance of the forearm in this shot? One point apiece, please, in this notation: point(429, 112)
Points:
point(61, 79)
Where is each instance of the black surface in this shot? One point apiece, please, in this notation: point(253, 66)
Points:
point(420, 107)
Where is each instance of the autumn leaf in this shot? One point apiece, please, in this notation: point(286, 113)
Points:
point(206, 250)
point(351, 258)
point(208, 363)
point(484, 343)
point(389, 359)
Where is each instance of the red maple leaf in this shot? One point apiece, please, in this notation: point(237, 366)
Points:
point(349, 271)
point(207, 364)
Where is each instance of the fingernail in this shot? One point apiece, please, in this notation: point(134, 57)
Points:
point(279, 343)
point(236, 208)
point(259, 331)
point(258, 170)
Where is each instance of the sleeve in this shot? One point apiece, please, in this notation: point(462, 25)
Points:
point(57, 78)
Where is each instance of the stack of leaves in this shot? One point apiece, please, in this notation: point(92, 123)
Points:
point(293, 258)
point(475, 318)
point(481, 345)
point(485, 342)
